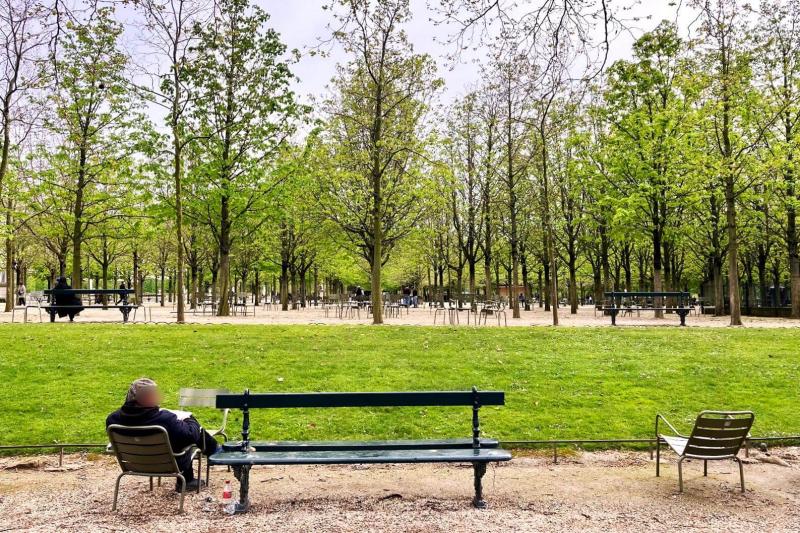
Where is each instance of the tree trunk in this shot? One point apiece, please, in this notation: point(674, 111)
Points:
point(303, 288)
point(525, 284)
point(224, 283)
point(733, 253)
point(792, 246)
point(193, 286)
point(776, 283)
point(224, 258)
point(284, 289)
point(573, 286)
point(105, 282)
point(136, 276)
point(719, 286)
point(163, 275)
point(177, 168)
point(9, 265)
point(546, 294)
point(657, 270)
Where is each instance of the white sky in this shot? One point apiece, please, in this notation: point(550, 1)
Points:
point(301, 22)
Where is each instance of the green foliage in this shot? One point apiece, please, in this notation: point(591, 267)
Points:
point(243, 115)
point(373, 162)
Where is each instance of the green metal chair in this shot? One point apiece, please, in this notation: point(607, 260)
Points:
point(145, 451)
point(717, 435)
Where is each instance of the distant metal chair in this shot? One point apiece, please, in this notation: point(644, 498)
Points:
point(32, 300)
point(497, 309)
point(188, 397)
point(716, 435)
point(145, 451)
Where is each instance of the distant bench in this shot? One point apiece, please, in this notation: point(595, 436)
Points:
point(242, 455)
point(117, 295)
point(616, 303)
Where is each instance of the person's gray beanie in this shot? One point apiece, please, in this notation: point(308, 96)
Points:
point(138, 386)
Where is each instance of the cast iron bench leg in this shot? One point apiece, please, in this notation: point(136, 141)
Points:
point(242, 473)
point(613, 317)
point(480, 470)
point(683, 317)
point(52, 315)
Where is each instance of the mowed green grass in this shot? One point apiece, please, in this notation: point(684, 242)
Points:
point(60, 381)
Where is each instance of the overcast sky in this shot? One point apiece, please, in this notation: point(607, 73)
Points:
point(301, 22)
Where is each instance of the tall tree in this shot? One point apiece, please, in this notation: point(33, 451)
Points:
point(649, 104)
point(244, 114)
point(374, 133)
point(513, 93)
point(778, 64)
point(730, 104)
point(92, 112)
point(465, 195)
point(170, 32)
point(22, 37)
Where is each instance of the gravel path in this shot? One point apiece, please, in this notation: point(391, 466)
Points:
point(607, 491)
point(415, 317)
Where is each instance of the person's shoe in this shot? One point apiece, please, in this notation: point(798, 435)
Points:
point(190, 485)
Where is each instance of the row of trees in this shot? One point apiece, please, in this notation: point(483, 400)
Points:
point(557, 175)
point(678, 165)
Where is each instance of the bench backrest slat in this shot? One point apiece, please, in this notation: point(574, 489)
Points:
point(664, 294)
point(199, 397)
point(49, 292)
point(358, 399)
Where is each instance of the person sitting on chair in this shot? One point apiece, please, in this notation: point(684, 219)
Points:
point(71, 302)
point(123, 297)
point(141, 408)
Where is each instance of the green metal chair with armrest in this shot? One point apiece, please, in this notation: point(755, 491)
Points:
point(145, 451)
point(716, 435)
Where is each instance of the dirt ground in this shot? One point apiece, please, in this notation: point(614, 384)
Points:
point(605, 491)
point(586, 316)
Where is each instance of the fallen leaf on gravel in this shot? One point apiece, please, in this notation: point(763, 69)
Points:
point(22, 465)
point(63, 468)
point(772, 460)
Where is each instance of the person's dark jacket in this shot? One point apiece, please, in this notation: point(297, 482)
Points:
point(70, 300)
point(181, 433)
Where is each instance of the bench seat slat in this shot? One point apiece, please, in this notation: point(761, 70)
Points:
point(479, 455)
point(319, 445)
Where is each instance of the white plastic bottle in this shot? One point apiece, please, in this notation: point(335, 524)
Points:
point(227, 498)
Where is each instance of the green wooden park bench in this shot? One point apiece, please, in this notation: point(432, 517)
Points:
point(123, 305)
point(623, 302)
point(244, 454)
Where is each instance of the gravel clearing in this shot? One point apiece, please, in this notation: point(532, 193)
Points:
point(597, 491)
point(586, 316)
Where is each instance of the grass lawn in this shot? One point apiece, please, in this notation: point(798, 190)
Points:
point(59, 381)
